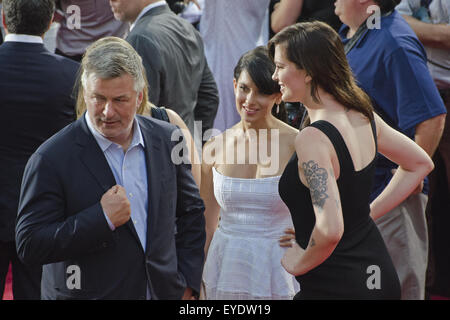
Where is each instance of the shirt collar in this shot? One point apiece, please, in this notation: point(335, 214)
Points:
point(343, 31)
point(13, 37)
point(355, 40)
point(146, 9)
point(104, 143)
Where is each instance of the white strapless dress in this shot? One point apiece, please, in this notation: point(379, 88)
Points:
point(244, 257)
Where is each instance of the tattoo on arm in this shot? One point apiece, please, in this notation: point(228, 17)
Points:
point(338, 204)
point(316, 178)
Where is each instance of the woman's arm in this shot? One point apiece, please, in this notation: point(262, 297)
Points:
point(285, 13)
point(317, 172)
point(414, 164)
point(212, 208)
point(193, 154)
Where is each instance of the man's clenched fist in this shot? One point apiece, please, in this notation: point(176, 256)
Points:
point(116, 206)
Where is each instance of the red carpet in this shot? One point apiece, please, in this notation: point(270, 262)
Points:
point(434, 297)
point(7, 295)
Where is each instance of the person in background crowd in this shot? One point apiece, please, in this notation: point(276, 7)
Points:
point(104, 197)
point(36, 102)
point(229, 29)
point(389, 63)
point(1, 26)
point(191, 10)
point(83, 22)
point(430, 20)
point(287, 12)
point(171, 116)
point(243, 254)
point(174, 59)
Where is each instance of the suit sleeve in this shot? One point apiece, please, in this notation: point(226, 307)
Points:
point(152, 62)
point(207, 100)
point(44, 231)
point(190, 237)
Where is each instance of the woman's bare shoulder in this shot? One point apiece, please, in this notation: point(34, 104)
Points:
point(286, 128)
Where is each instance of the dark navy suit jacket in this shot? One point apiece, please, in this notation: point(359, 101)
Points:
point(61, 222)
point(35, 103)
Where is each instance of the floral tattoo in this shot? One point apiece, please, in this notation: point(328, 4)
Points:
point(316, 178)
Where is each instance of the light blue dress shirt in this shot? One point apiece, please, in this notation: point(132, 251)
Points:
point(130, 171)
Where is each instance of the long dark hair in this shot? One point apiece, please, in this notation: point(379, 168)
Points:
point(260, 68)
point(316, 48)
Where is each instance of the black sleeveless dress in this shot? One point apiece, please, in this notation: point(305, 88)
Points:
point(360, 266)
point(160, 113)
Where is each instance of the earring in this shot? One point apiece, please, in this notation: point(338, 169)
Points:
point(278, 108)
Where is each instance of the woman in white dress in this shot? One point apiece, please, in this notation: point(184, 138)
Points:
point(245, 217)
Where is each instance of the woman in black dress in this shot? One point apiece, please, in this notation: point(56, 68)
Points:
point(338, 252)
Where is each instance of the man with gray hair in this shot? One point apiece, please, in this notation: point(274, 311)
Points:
point(103, 207)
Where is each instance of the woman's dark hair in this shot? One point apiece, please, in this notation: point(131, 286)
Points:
point(261, 68)
point(387, 5)
point(316, 48)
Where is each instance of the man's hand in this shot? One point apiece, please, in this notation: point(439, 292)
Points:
point(116, 206)
point(58, 16)
point(188, 295)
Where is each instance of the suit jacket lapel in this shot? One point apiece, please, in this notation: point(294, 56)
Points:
point(154, 169)
point(94, 160)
